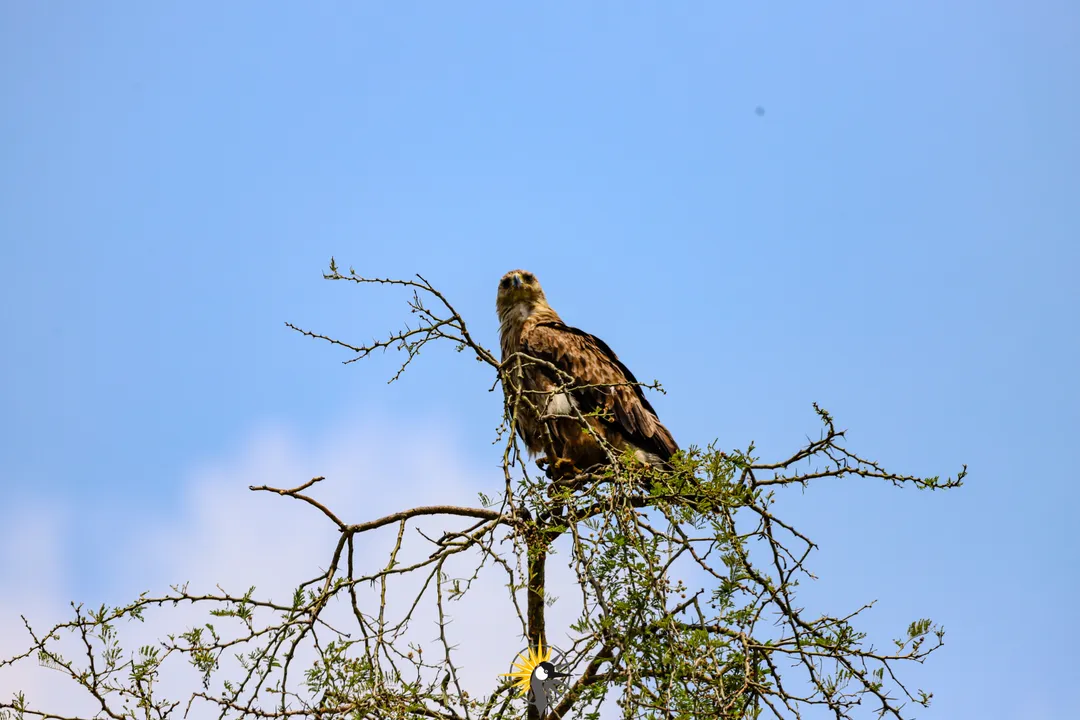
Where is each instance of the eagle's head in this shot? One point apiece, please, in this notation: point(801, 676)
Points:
point(519, 295)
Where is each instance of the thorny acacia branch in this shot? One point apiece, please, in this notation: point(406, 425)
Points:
point(686, 593)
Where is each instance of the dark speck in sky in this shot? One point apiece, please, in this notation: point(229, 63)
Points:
point(760, 111)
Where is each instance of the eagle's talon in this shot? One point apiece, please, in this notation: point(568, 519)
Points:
point(564, 466)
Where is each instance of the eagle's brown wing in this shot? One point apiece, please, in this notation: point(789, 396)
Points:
point(590, 362)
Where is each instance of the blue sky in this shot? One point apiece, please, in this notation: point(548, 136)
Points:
point(894, 238)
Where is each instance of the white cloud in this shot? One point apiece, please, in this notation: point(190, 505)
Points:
point(222, 533)
point(32, 559)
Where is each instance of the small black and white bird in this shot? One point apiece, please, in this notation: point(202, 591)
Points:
point(537, 677)
point(542, 682)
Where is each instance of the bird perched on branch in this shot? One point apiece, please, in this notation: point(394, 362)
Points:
point(537, 677)
point(572, 398)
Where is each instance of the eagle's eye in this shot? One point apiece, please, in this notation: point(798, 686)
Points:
point(505, 283)
point(528, 277)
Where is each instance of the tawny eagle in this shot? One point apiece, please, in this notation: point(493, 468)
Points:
point(557, 378)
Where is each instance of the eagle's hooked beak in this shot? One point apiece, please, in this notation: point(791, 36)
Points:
point(517, 281)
